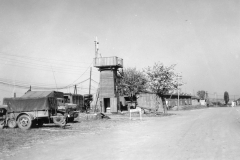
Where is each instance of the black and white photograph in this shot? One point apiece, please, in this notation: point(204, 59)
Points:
point(119, 79)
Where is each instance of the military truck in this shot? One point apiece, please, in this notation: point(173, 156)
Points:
point(67, 107)
point(34, 109)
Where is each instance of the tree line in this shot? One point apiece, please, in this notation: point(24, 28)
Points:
point(158, 79)
point(203, 95)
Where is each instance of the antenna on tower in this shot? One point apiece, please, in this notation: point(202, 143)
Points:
point(96, 47)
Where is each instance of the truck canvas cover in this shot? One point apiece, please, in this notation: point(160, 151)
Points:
point(33, 101)
point(38, 94)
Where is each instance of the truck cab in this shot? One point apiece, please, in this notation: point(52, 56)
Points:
point(65, 106)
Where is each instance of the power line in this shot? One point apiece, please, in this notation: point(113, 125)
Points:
point(95, 81)
point(10, 91)
point(80, 76)
point(25, 83)
point(41, 63)
point(17, 60)
point(26, 86)
point(37, 58)
point(37, 63)
point(45, 68)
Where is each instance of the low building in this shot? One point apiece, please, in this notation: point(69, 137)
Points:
point(171, 99)
point(195, 101)
point(151, 101)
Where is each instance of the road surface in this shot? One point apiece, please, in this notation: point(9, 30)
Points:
point(211, 133)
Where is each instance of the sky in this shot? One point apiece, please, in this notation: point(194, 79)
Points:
point(50, 43)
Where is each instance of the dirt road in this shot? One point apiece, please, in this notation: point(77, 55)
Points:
point(212, 133)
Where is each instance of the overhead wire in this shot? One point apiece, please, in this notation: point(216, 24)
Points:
point(25, 86)
point(45, 68)
point(95, 81)
point(19, 61)
point(22, 82)
point(27, 62)
point(35, 58)
point(41, 64)
point(80, 75)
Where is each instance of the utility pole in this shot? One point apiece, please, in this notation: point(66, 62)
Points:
point(90, 80)
point(75, 89)
point(178, 89)
point(177, 93)
point(96, 48)
point(178, 77)
point(206, 99)
point(215, 96)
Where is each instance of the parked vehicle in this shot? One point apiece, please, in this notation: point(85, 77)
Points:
point(75, 99)
point(69, 108)
point(34, 109)
point(82, 101)
point(87, 102)
point(3, 110)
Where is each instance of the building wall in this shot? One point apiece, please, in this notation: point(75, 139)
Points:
point(195, 102)
point(108, 83)
point(172, 100)
point(150, 101)
point(108, 94)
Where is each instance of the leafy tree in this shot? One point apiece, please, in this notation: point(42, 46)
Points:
point(132, 82)
point(226, 97)
point(201, 94)
point(161, 79)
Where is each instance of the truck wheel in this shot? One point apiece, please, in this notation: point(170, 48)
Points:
point(12, 123)
point(61, 121)
point(24, 122)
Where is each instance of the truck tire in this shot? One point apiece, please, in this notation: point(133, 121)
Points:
point(24, 122)
point(11, 123)
point(61, 121)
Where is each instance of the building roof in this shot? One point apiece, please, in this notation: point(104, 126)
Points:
point(195, 97)
point(172, 94)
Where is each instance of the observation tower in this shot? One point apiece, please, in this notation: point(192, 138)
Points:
point(108, 95)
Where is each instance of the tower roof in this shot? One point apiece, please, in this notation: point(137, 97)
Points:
point(108, 62)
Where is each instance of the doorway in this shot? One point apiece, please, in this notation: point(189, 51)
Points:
point(106, 103)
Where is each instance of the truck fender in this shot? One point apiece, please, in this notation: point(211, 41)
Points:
point(30, 115)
